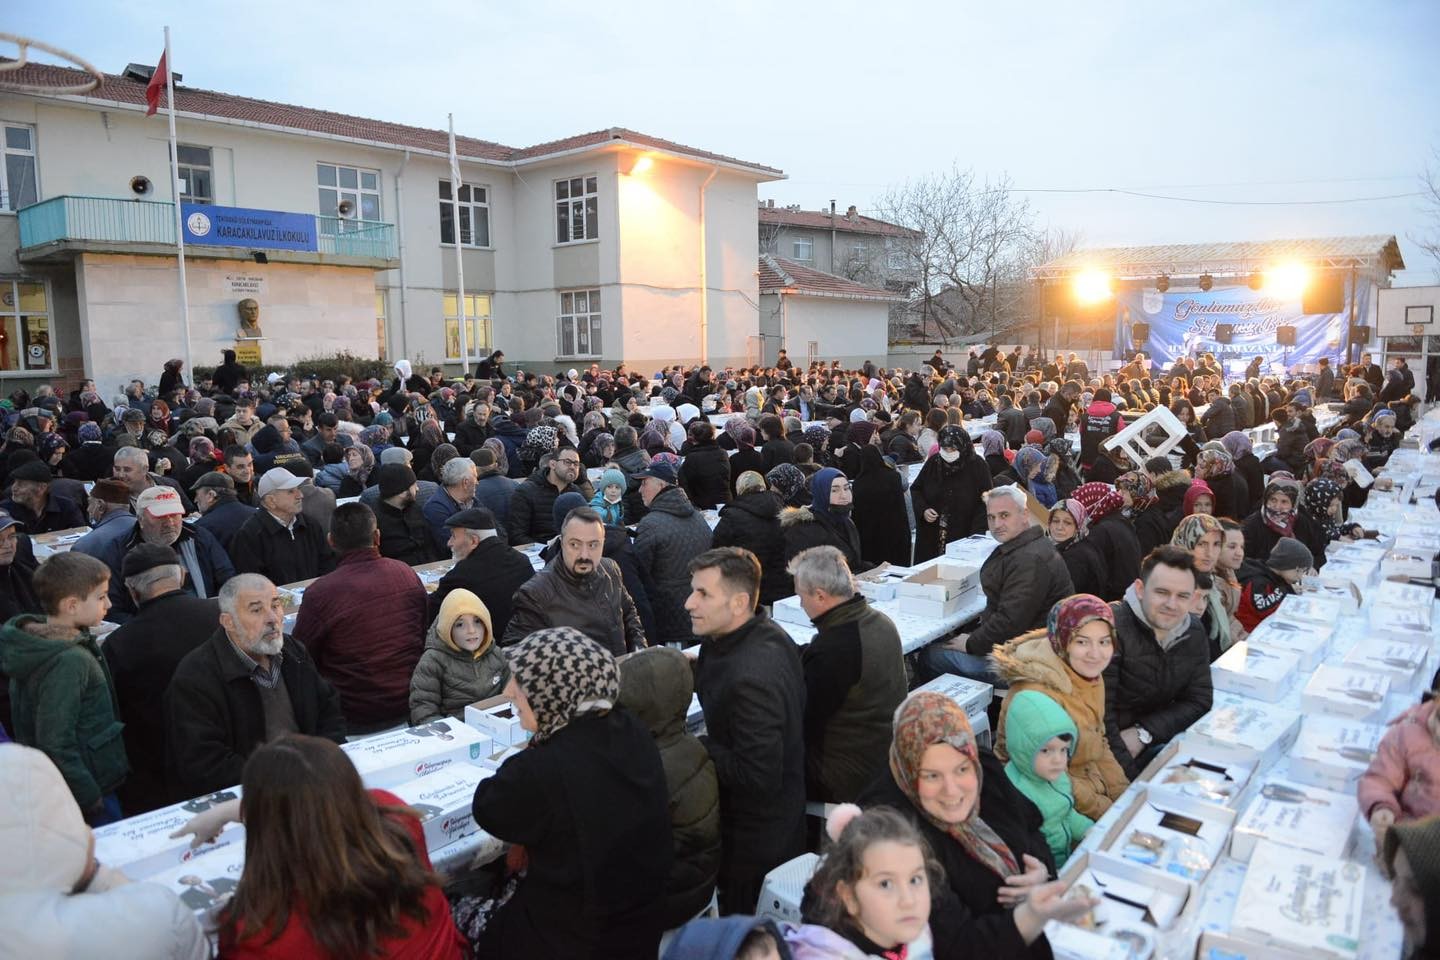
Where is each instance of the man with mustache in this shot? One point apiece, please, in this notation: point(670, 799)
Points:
point(246, 685)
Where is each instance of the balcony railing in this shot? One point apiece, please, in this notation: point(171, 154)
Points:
point(107, 220)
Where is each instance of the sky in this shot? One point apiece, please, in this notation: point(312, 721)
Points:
point(1248, 103)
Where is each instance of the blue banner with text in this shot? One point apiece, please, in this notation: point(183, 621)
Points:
point(240, 227)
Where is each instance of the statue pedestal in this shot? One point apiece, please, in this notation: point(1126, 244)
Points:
point(247, 350)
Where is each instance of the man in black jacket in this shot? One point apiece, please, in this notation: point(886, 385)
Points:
point(247, 684)
point(531, 518)
point(404, 534)
point(485, 565)
point(220, 512)
point(1158, 682)
point(143, 655)
point(752, 690)
point(1058, 407)
point(278, 541)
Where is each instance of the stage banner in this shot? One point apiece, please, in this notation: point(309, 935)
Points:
point(241, 227)
point(1183, 323)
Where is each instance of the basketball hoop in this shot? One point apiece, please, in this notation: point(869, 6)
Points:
point(23, 45)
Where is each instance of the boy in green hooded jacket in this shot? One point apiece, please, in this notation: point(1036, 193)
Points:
point(1040, 738)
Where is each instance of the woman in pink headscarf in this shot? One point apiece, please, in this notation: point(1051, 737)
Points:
point(1112, 535)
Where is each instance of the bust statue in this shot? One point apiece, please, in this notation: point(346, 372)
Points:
point(249, 310)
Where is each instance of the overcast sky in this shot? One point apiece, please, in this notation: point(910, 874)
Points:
point(1230, 101)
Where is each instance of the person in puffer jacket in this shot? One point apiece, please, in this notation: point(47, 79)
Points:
point(1040, 737)
point(1402, 782)
point(1098, 422)
point(461, 663)
point(56, 899)
point(656, 685)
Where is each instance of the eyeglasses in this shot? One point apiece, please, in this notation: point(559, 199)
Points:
point(569, 462)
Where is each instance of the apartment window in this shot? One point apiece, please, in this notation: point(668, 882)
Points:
point(577, 211)
point(477, 317)
point(357, 188)
point(17, 177)
point(25, 327)
point(860, 252)
point(895, 257)
point(196, 172)
point(803, 250)
point(474, 215)
point(579, 327)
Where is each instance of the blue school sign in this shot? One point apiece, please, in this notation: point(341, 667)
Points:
point(241, 227)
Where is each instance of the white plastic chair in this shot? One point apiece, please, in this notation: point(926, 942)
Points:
point(1132, 439)
point(785, 887)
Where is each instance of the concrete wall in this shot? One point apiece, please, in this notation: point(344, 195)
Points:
point(851, 331)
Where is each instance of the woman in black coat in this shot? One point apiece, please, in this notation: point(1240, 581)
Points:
point(1113, 537)
point(1147, 516)
point(1232, 493)
point(985, 833)
point(1069, 528)
point(1247, 466)
point(746, 457)
point(705, 473)
point(752, 521)
point(879, 511)
point(947, 494)
point(1279, 516)
point(826, 522)
point(588, 801)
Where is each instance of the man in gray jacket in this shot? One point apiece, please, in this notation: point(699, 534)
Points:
point(668, 536)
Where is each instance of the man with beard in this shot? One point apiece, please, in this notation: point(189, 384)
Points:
point(484, 564)
point(404, 534)
point(246, 685)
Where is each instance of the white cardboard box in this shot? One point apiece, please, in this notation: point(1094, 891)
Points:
point(1345, 692)
point(1264, 673)
point(1129, 892)
point(397, 756)
point(1402, 662)
point(140, 847)
point(1172, 834)
point(1191, 770)
point(931, 609)
point(1407, 565)
point(1340, 585)
point(498, 717)
point(973, 696)
point(1069, 942)
point(444, 799)
point(788, 610)
point(501, 754)
point(1245, 730)
point(1296, 815)
point(206, 884)
point(1223, 946)
point(1402, 606)
point(1302, 901)
point(1332, 752)
point(1309, 609)
point(940, 582)
point(1308, 642)
point(971, 550)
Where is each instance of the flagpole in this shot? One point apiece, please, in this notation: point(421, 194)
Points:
point(459, 248)
point(179, 219)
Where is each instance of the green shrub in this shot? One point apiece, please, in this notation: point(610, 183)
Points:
point(329, 367)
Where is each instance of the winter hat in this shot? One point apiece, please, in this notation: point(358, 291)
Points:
point(457, 603)
point(720, 939)
point(1070, 615)
point(564, 504)
point(612, 476)
point(395, 479)
point(1198, 489)
point(1420, 839)
point(565, 675)
point(44, 836)
point(1035, 437)
point(89, 433)
point(398, 455)
point(860, 432)
point(1290, 554)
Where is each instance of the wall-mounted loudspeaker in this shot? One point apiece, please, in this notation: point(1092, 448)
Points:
point(1140, 333)
point(1224, 332)
point(141, 186)
point(1285, 336)
point(1324, 294)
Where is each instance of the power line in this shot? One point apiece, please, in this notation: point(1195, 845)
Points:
point(1229, 203)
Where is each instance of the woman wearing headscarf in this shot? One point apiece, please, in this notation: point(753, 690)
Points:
point(1316, 452)
point(992, 445)
point(1066, 477)
point(1247, 466)
point(745, 457)
point(587, 801)
point(1231, 491)
point(1035, 471)
point(996, 898)
point(946, 494)
point(361, 462)
point(879, 495)
point(1143, 509)
point(538, 442)
point(1066, 661)
point(1112, 536)
point(826, 521)
point(1324, 504)
point(1069, 527)
point(789, 483)
point(1279, 516)
point(1203, 537)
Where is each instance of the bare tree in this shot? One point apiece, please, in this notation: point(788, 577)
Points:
point(1430, 203)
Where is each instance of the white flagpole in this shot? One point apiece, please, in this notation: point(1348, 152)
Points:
point(179, 219)
point(459, 247)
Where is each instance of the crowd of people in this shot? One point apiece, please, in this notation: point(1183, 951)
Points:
point(1111, 589)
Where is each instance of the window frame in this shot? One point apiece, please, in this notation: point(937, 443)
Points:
point(15, 312)
point(360, 192)
point(594, 319)
point(447, 206)
point(479, 323)
point(564, 207)
point(6, 151)
point(795, 255)
point(181, 168)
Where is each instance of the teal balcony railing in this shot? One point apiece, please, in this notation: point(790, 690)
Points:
point(109, 220)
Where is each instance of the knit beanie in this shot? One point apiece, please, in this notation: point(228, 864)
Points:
point(564, 504)
point(457, 603)
point(611, 476)
point(394, 479)
point(1290, 554)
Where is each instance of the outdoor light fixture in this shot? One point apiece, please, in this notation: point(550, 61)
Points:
point(642, 164)
point(1092, 287)
point(1206, 281)
point(1287, 281)
point(1256, 281)
point(260, 256)
point(1163, 282)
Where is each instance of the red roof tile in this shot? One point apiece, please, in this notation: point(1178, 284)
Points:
point(780, 275)
point(821, 220)
point(209, 103)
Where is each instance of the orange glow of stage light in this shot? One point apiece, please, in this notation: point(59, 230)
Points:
point(1287, 281)
point(642, 164)
point(1092, 287)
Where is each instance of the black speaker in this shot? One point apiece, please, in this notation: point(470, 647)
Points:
point(1285, 336)
point(1360, 335)
point(1325, 294)
point(1224, 332)
point(1140, 333)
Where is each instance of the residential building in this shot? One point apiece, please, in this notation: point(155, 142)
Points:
point(593, 248)
point(863, 249)
point(816, 315)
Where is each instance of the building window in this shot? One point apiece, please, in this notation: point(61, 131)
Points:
point(357, 189)
point(477, 316)
point(17, 178)
point(895, 255)
point(474, 215)
point(803, 250)
point(197, 174)
point(860, 252)
point(579, 327)
point(24, 327)
point(577, 212)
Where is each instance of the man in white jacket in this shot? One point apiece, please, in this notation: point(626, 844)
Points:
point(56, 900)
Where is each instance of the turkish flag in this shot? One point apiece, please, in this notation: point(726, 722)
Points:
point(156, 84)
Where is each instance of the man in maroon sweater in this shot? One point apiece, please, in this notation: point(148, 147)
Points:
point(364, 624)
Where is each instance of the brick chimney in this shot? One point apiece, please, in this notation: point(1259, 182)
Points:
point(851, 214)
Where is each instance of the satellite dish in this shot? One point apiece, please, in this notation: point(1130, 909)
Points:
point(346, 208)
point(141, 186)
